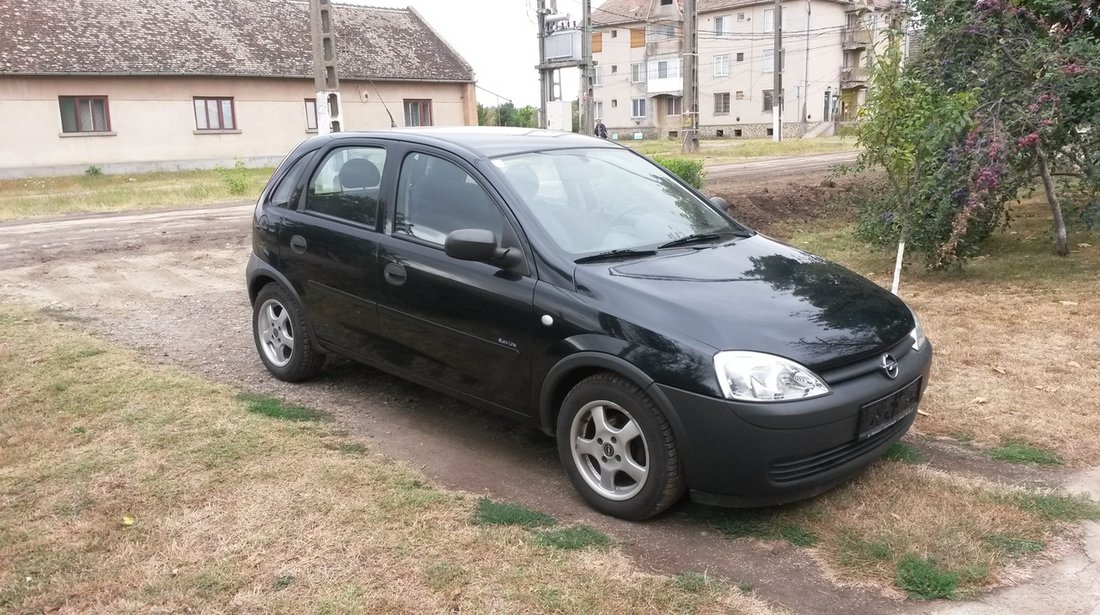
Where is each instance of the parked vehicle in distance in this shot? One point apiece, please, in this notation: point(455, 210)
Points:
point(568, 282)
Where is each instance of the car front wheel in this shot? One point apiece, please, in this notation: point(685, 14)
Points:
point(618, 449)
point(282, 336)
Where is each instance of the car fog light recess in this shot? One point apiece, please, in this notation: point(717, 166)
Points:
point(917, 333)
point(756, 376)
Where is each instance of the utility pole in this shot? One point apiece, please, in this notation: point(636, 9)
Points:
point(777, 84)
point(689, 107)
point(325, 80)
point(587, 106)
point(544, 74)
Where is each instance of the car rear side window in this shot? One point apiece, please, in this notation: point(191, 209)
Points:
point(346, 185)
point(287, 191)
point(435, 196)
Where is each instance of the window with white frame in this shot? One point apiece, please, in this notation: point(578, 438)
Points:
point(311, 114)
point(637, 108)
point(418, 112)
point(722, 65)
point(674, 106)
point(740, 17)
point(637, 72)
point(598, 108)
point(769, 19)
point(769, 60)
point(664, 69)
point(721, 103)
point(723, 26)
point(739, 95)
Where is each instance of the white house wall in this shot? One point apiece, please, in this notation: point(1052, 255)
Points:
point(152, 120)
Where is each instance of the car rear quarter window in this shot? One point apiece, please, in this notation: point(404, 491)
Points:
point(346, 184)
point(287, 191)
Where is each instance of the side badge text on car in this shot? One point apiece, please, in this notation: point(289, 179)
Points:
point(890, 366)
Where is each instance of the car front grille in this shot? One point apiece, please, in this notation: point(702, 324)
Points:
point(810, 466)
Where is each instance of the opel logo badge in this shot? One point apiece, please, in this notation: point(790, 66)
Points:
point(890, 366)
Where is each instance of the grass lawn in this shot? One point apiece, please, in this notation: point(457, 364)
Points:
point(719, 151)
point(130, 488)
point(48, 196)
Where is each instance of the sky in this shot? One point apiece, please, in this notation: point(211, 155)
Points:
point(498, 38)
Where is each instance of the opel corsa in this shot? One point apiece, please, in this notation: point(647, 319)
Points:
point(568, 282)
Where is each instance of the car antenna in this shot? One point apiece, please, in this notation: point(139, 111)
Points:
point(393, 124)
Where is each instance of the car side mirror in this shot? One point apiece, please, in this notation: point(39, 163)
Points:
point(475, 244)
point(720, 203)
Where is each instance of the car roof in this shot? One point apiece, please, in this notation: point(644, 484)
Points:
point(487, 141)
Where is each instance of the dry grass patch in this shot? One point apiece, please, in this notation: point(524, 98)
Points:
point(720, 151)
point(1015, 337)
point(127, 488)
point(909, 530)
point(46, 196)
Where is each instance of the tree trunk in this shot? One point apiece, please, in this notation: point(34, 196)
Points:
point(1061, 246)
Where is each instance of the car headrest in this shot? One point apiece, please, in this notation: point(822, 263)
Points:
point(359, 173)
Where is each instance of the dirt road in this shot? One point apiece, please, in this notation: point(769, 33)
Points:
point(170, 284)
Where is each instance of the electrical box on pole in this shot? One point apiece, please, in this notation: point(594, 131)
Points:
point(326, 81)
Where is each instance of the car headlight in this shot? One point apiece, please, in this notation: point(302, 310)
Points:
point(917, 333)
point(755, 376)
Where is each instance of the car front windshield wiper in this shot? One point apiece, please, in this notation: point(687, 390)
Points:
point(701, 238)
point(613, 254)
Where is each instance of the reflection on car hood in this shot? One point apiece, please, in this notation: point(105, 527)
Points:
point(754, 294)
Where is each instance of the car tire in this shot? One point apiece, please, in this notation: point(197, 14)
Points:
point(283, 337)
point(618, 449)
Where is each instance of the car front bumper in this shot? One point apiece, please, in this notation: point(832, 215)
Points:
point(756, 454)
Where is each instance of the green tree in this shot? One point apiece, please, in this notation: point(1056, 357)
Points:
point(904, 127)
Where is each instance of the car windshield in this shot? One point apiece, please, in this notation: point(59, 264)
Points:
point(592, 201)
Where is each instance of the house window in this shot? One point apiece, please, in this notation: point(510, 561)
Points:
point(598, 108)
point(418, 112)
point(311, 114)
point(637, 108)
point(664, 69)
point(722, 65)
point(768, 104)
point(769, 60)
point(614, 34)
point(214, 114)
point(666, 2)
point(740, 56)
point(637, 73)
point(597, 78)
point(614, 103)
point(674, 106)
point(739, 95)
point(84, 114)
point(614, 69)
point(721, 103)
point(740, 17)
point(769, 19)
point(723, 26)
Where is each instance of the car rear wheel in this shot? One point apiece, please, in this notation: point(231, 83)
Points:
point(282, 336)
point(617, 448)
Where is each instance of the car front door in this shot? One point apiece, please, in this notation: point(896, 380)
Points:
point(462, 325)
point(331, 240)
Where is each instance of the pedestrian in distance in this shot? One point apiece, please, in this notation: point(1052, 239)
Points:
point(601, 130)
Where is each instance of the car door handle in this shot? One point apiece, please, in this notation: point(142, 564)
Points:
point(298, 244)
point(395, 274)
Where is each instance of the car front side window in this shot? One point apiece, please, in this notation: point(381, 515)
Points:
point(347, 183)
point(436, 196)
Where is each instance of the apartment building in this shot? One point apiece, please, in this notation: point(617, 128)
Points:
point(828, 48)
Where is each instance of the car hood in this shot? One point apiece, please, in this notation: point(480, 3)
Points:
point(752, 294)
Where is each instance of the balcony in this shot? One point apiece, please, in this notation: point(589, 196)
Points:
point(666, 85)
point(664, 46)
point(856, 38)
point(854, 77)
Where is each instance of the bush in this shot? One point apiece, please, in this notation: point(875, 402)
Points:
point(93, 171)
point(235, 179)
point(687, 169)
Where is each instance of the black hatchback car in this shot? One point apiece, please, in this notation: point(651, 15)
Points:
point(568, 282)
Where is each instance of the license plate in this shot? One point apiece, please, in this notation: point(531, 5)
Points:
point(879, 415)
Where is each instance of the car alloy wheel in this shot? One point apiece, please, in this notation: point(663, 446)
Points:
point(609, 450)
point(275, 333)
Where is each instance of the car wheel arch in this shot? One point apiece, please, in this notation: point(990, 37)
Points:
point(572, 369)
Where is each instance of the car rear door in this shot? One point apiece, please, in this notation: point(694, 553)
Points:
point(462, 325)
point(329, 242)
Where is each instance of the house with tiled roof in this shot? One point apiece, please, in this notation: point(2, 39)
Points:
point(169, 84)
point(828, 47)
